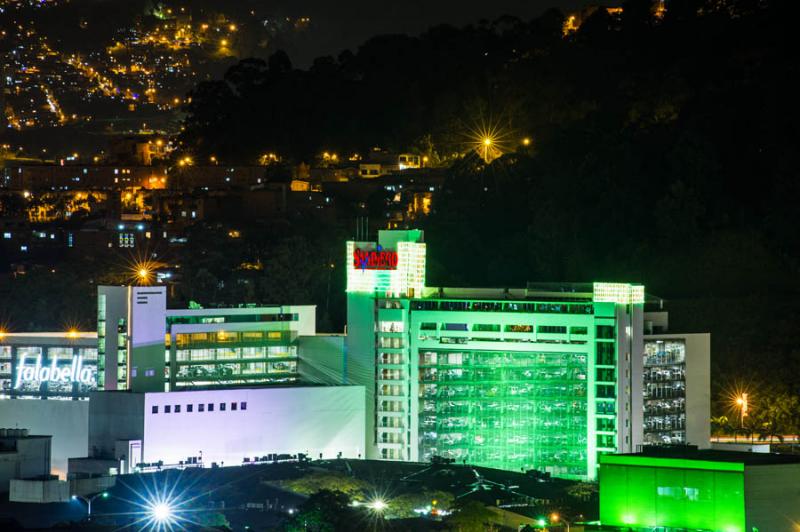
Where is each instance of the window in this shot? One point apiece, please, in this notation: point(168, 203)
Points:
point(520, 328)
point(201, 407)
point(167, 409)
point(177, 409)
point(455, 327)
point(189, 408)
point(155, 410)
point(222, 407)
point(233, 406)
point(551, 329)
point(605, 331)
point(578, 330)
point(242, 406)
point(210, 407)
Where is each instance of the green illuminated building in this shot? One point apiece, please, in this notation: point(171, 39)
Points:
point(682, 488)
point(545, 377)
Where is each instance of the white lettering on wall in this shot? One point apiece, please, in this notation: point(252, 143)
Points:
point(75, 372)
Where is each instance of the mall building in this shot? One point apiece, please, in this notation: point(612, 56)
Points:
point(546, 377)
point(145, 347)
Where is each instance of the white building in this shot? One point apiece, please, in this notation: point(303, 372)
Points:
point(230, 426)
point(676, 387)
point(22, 456)
point(145, 347)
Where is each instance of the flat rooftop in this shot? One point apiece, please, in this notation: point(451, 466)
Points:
point(711, 455)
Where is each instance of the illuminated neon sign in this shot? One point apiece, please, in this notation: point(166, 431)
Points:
point(374, 260)
point(76, 372)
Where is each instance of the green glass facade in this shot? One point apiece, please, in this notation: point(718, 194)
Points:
point(505, 410)
point(644, 492)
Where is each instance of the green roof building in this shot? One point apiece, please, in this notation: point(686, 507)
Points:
point(683, 488)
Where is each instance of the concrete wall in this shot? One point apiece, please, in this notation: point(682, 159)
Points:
point(39, 491)
point(66, 421)
point(361, 358)
point(772, 497)
point(312, 420)
point(322, 358)
point(113, 416)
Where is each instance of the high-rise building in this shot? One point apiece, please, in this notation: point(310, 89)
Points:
point(546, 377)
point(145, 347)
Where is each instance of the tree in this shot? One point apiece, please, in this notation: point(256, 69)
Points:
point(324, 511)
point(404, 506)
point(470, 516)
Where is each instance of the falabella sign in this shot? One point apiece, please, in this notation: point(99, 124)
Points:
point(75, 372)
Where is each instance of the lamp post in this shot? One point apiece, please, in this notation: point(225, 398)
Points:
point(88, 501)
point(555, 517)
point(742, 402)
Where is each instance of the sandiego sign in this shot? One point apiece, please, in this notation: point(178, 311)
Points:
point(374, 260)
point(75, 372)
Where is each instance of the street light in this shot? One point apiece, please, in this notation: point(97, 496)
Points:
point(742, 402)
point(161, 512)
point(554, 517)
point(88, 501)
point(378, 505)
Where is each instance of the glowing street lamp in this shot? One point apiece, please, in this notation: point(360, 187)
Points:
point(742, 402)
point(555, 518)
point(161, 512)
point(377, 505)
point(88, 501)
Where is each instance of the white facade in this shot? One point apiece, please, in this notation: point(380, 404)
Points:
point(227, 426)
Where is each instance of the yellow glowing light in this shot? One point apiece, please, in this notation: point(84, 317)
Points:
point(526, 141)
point(232, 27)
point(223, 42)
point(72, 333)
point(489, 140)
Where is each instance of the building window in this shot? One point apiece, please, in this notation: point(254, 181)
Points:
point(222, 407)
point(233, 406)
point(210, 407)
point(167, 409)
point(201, 407)
point(177, 409)
point(242, 406)
point(605, 332)
point(551, 329)
point(189, 408)
point(155, 410)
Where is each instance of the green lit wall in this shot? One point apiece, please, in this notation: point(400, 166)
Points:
point(502, 385)
point(644, 492)
point(505, 410)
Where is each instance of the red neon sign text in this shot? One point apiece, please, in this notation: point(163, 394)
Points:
point(374, 260)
